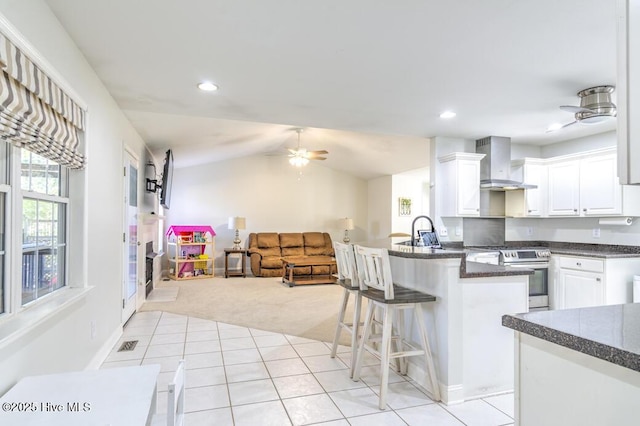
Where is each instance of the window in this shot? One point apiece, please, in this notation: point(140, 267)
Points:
point(44, 212)
point(5, 154)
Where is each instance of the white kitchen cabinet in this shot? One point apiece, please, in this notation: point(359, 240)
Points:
point(461, 173)
point(564, 188)
point(579, 281)
point(528, 202)
point(579, 289)
point(628, 90)
point(600, 190)
point(587, 184)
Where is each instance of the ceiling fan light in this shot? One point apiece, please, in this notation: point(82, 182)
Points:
point(298, 161)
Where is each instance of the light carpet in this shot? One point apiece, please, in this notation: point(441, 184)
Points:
point(309, 311)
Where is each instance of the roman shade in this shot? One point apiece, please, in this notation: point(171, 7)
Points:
point(35, 113)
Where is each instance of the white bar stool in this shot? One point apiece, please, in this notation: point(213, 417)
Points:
point(348, 279)
point(376, 284)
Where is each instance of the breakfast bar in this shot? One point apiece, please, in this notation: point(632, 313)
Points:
point(582, 365)
point(473, 353)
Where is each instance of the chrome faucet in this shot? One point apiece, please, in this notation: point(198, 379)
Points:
point(413, 227)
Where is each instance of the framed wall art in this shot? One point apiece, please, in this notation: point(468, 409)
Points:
point(404, 206)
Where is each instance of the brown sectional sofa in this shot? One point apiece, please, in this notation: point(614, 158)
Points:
point(266, 250)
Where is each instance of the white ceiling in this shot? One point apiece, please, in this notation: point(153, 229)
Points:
point(366, 78)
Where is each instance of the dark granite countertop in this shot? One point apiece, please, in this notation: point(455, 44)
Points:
point(610, 333)
point(450, 251)
point(582, 249)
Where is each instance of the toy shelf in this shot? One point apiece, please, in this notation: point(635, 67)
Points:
point(191, 251)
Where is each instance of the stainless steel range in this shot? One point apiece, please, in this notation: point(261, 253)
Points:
point(536, 259)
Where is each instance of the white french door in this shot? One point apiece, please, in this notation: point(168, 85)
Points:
point(130, 237)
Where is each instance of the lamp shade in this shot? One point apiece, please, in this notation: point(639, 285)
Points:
point(346, 223)
point(237, 222)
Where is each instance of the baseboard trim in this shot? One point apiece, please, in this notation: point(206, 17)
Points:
point(105, 350)
point(448, 394)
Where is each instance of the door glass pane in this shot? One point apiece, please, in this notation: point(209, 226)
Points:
point(133, 232)
point(2, 250)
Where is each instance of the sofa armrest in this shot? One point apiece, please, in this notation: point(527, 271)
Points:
point(255, 258)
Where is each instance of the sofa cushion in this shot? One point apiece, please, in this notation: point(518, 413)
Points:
point(293, 251)
point(268, 252)
point(271, 262)
point(315, 244)
point(313, 239)
point(291, 240)
point(268, 239)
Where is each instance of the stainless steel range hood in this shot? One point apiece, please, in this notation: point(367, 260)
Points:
point(495, 167)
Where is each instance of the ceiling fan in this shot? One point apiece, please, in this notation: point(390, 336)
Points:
point(300, 156)
point(595, 106)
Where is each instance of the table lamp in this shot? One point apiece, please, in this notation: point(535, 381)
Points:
point(237, 223)
point(347, 225)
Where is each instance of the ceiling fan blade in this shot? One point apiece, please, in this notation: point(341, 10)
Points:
point(561, 127)
point(321, 152)
point(574, 109)
point(292, 151)
point(317, 158)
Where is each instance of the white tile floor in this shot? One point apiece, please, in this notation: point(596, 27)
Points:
point(242, 376)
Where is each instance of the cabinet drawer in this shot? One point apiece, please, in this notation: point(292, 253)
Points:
point(581, 264)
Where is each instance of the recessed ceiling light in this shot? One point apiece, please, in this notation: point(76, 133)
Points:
point(207, 86)
point(448, 114)
point(553, 127)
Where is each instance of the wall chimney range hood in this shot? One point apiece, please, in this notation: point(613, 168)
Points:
point(495, 167)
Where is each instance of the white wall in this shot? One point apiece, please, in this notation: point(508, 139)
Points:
point(65, 343)
point(587, 143)
point(380, 192)
point(271, 195)
point(413, 184)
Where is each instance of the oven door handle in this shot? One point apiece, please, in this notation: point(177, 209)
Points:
point(529, 265)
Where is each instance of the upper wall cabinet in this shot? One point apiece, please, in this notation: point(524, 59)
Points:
point(530, 202)
point(461, 173)
point(628, 90)
point(564, 188)
point(587, 185)
point(600, 189)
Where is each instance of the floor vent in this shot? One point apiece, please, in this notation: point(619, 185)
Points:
point(129, 345)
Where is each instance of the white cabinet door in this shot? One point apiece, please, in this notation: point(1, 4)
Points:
point(578, 289)
point(468, 188)
point(564, 188)
point(600, 190)
point(460, 181)
point(534, 174)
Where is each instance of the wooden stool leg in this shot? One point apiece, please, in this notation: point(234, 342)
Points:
point(435, 387)
point(363, 340)
point(343, 309)
point(355, 329)
point(385, 350)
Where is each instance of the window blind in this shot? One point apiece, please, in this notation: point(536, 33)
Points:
point(35, 113)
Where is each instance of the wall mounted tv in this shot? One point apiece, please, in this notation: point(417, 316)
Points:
point(167, 178)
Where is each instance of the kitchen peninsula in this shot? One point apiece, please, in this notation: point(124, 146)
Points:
point(582, 365)
point(473, 353)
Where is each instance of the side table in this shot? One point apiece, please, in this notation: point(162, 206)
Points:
point(238, 272)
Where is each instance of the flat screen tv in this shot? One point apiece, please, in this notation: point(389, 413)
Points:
point(167, 177)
